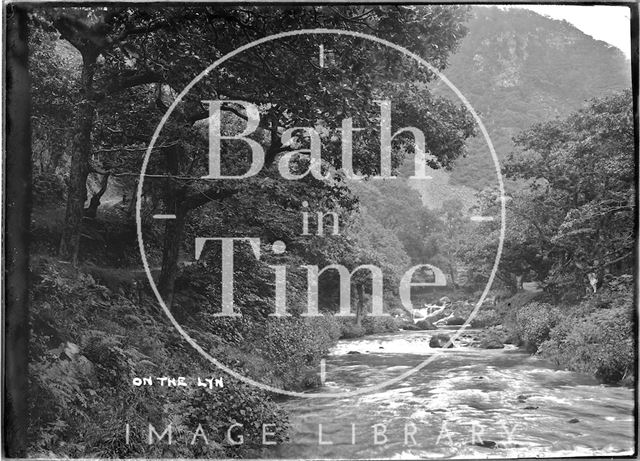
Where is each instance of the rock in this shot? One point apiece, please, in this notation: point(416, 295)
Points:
point(486, 444)
point(522, 398)
point(574, 420)
point(530, 408)
point(425, 325)
point(439, 341)
point(490, 342)
point(455, 321)
point(354, 352)
point(71, 349)
point(381, 347)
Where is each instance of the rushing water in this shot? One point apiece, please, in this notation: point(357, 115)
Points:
point(517, 405)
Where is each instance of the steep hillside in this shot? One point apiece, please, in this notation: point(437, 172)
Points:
point(517, 68)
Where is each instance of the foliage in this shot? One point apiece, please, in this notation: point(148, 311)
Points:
point(136, 59)
point(88, 342)
point(236, 403)
point(574, 214)
point(349, 329)
point(372, 243)
point(534, 323)
point(398, 208)
point(294, 346)
point(53, 69)
point(373, 325)
point(596, 338)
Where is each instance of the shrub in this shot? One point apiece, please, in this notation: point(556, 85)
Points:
point(600, 343)
point(293, 346)
point(373, 325)
point(534, 322)
point(87, 344)
point(235, 403)
point(349, 329)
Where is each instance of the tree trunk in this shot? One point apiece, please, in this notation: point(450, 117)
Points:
point(452, 273)
point(132, 200)
point(92, 210)
point(170, 252)
point(360, 306)
point(174, 229)
point(17, 219)
point(77, 190)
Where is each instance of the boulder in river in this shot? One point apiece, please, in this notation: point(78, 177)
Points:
point(354, 352)
point(486, 444)
point(573, 420)
point(425, 325)
point(409, 326)
point(490, 341)
point(439, 341)
point(455, 321)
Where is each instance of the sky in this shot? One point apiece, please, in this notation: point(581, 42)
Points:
point(610, 24)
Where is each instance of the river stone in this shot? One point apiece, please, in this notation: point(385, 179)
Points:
point(425, 325)
point(354, 352)
point(455, 321)
point(409, 327)
point(491, 342)
point(439, 341)
point(486, 444)
point(574, 420)
point(530, 408)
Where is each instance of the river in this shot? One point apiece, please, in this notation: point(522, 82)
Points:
point(514, 404)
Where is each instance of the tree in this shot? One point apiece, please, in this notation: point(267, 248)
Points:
point(368, 242)
point(146, 55)
point(311, 97)
point(453, 224)
point(399, 208)
point(96, 33)
point(53, 85)
point(585, 168)
point(125, 47)
point(575, 215)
